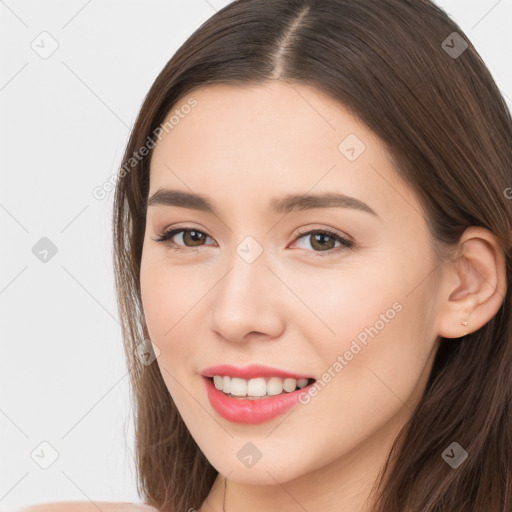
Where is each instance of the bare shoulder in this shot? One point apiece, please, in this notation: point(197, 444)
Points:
point(87, 506)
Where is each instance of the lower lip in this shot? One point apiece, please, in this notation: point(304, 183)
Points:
point(250, 412)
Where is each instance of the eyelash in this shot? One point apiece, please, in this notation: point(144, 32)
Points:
point(345, 242)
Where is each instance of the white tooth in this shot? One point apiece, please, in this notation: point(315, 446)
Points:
point(257, 387)
point(302, 382)
point(289, 385)
point(226, 384)
point(274, 386)
point(217, 380)
point(238, 386)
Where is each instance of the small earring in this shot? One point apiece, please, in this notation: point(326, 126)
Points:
point(465, 324)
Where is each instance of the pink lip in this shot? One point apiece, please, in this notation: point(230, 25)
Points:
point(250, 412)
point(250, 372)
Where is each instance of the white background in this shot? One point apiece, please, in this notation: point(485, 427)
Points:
point(64, 123)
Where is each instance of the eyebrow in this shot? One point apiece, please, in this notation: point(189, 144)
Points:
point(285, 204)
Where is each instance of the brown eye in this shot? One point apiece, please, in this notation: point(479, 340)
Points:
point(192, 236)
point(324, 241)
point(189, 238)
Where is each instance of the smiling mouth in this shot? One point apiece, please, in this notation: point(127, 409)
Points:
point(257, 388)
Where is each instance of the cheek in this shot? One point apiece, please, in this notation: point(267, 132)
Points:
point(166, 296)
point(379, 300)
point(369, 331)
point(342, 303)
point(166, 300)
point(175, 301)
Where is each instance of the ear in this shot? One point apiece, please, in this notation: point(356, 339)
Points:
point(474, 284)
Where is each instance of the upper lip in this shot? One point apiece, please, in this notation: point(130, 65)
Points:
point(250, 372)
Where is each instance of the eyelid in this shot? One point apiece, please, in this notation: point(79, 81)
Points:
point(166, 234)
point(303, 231)
point(346, 241)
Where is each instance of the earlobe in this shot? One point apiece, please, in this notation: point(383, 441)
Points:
point(475, 284)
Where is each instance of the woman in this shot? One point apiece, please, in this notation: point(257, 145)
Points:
point(312, 230)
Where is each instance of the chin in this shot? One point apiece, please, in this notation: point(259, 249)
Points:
point(266, 471)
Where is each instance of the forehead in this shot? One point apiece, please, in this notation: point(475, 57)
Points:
point(262, 119)
point(270, 139)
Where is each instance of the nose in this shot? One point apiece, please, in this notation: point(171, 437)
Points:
point(247, 302)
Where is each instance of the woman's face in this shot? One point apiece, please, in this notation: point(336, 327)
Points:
point(245, 284)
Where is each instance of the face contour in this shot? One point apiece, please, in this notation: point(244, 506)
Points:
point(251, 285)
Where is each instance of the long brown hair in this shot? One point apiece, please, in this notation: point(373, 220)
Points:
point(398, 66)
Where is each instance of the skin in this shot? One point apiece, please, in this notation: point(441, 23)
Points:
point(87, 506)
point(241, 147)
